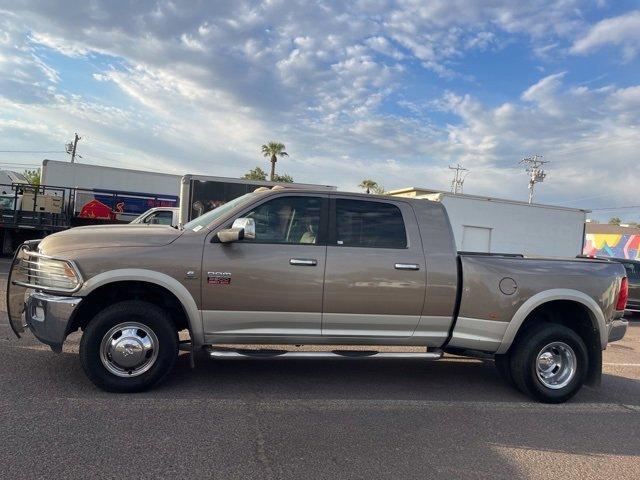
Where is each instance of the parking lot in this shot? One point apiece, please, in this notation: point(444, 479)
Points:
point(311, 419)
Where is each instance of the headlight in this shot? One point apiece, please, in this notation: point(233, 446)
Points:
point(53, 274)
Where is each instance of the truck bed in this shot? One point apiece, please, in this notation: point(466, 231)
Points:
point(496, 289)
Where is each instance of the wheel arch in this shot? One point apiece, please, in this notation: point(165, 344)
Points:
point(547, 297)
point(577, 311)
point(161, 282)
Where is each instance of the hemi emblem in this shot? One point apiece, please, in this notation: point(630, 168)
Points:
point(218, 278)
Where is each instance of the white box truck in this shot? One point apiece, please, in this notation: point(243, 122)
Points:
point(495, 225)
point(81, 175)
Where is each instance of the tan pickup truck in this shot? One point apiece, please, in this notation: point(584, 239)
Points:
point(315, 268)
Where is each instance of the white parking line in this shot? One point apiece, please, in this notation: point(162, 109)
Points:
point(279, 404)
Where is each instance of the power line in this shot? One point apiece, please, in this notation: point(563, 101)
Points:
point(32, 151)
point(623, 207)
point(536, 174)
point(71, 147)
point(458, 180)
point(14, 163)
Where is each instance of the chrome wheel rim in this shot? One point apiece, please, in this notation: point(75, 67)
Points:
point(556, 365)
point(129, 349)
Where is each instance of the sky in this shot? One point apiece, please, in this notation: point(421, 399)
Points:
point(395, 91)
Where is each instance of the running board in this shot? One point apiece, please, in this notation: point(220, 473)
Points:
point(245, 353)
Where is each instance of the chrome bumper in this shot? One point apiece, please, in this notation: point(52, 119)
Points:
point(48, 316)
point(617, 329)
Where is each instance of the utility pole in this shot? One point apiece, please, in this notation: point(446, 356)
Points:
point(458, 179)
point(71, 147)
point(536, 174)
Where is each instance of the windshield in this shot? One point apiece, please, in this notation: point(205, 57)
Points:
point(204, 220)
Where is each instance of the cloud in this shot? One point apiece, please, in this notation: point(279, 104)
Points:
point(623, 31)
point(197, 88)
point(385, 47)
point(589, 135)
point(57, 44)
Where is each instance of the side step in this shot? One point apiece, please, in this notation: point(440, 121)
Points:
point(219, 352)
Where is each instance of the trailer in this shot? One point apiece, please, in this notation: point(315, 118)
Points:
point(80, 175)
point(495, 225)
point(201, 193)
point(29, 212)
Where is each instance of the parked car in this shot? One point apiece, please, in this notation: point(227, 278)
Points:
point(633, 274)
point(632, 269)
point(159, 216)
point(314, 267)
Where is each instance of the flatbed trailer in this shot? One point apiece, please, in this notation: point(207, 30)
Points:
point(30, 212)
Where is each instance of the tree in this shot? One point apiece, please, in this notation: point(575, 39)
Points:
point(378, 190)
point(274, 150)
point(255, 174)
point(367, 185)
point(284, 178)
point(371, 186)
point(32, 176)
point(614, 221)
point(259, 174)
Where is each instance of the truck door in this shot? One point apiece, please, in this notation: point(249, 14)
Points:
point(375, 280)
point(272, 284)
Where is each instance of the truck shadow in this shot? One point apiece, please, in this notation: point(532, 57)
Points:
point(452, 378)
point(469, 389)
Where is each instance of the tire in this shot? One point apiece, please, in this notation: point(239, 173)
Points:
point(503, 365)
point(559, 342)
point(129, 332)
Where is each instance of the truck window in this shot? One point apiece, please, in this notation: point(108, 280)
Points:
point(202, 221)
point(633, 271)
point(363, 223)
point(292, 220)
point(160, 218)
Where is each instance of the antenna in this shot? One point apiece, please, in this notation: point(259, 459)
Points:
point(536, 174)
point(458, 179)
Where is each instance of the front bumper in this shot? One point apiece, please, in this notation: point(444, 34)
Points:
point(48, 316)
point(617, 329)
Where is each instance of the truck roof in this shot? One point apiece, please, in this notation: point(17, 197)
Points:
point(342, 192)
point(47, 161)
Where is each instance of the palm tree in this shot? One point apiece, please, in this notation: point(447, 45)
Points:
point(369, 185)
point(274, 150)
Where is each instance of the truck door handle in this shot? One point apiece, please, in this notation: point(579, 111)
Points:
point(407, 266)
point(303, 262)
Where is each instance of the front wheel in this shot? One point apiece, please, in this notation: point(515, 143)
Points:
point(129, 347)
point(550, 363)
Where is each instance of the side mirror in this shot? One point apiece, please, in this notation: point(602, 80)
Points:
point(229, 235)
point(248, 225)
point(242, 228)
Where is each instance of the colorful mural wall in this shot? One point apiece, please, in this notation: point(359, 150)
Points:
point(612, 245)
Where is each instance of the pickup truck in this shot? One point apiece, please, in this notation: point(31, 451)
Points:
point(158, 216)
point(313, 267)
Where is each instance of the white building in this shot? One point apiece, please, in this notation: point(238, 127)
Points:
point(495, 225)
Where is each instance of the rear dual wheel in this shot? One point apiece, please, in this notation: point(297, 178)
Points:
point(129, 347)
point(549, 362)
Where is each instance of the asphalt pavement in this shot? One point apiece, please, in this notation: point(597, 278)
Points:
point(292, 419)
